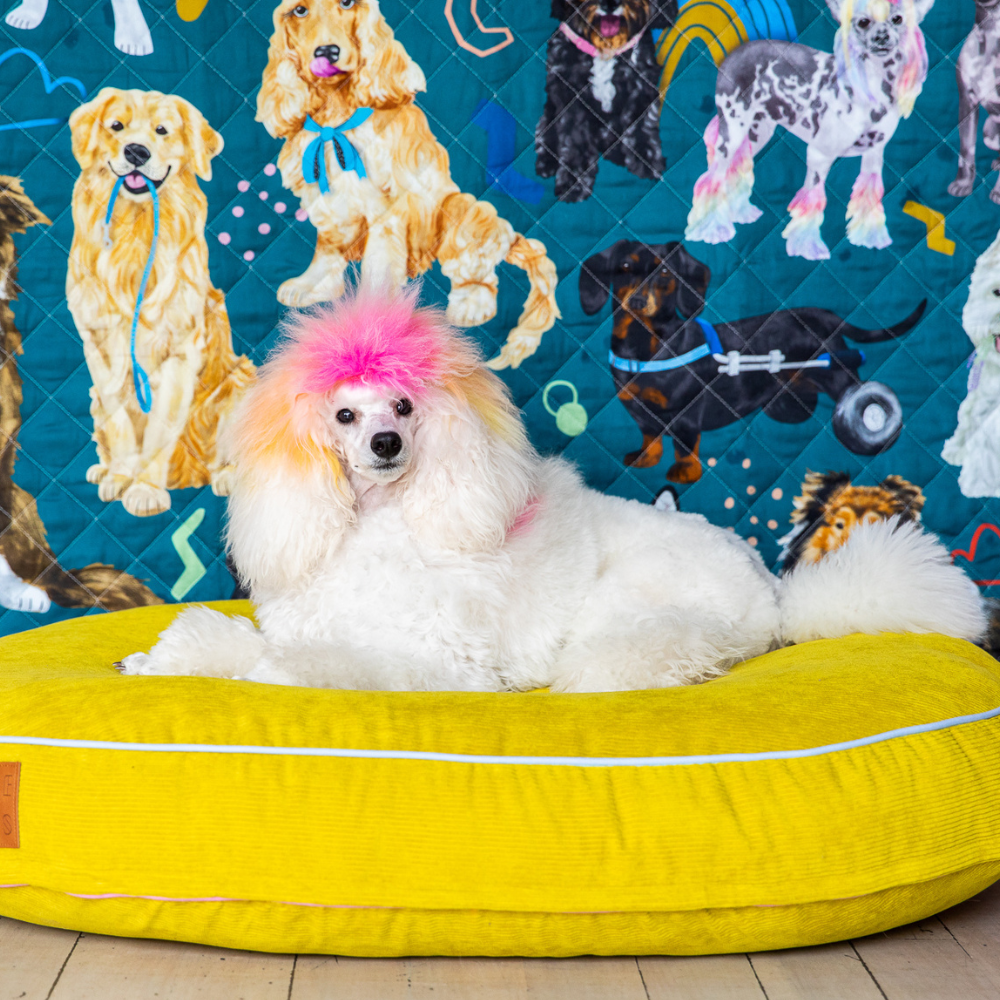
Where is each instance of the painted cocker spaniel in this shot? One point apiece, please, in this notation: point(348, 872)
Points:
point(159, 351)
point(602, 92)
point(358, 153)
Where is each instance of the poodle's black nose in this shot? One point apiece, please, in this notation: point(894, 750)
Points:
point(387, 444)
point(637, 301)
point(328, 52)
point(135, 154)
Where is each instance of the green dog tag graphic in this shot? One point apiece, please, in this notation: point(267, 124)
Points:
point(571, 418)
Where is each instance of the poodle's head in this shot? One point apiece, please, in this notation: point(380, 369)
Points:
point(370, 402)
point(328, 58)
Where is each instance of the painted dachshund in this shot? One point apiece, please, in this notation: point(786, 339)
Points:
point(657, 292)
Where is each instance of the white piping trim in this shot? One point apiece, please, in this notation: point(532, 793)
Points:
point(463, 758)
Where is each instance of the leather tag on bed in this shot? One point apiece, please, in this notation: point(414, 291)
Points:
point(10, 780)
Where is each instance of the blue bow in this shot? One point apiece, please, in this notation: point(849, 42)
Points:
point(313, 160)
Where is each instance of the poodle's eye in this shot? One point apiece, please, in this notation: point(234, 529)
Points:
point(625, 266)
point(403, 407)
point(996, 292)
point(346, 4)
point(897, 19)
point(160, 130)
point(345, 416)
point(300, 11)
point(116, 126)
point(839, 525)
point(863, 23)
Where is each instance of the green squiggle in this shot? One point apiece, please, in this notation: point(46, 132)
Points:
point(194, 568)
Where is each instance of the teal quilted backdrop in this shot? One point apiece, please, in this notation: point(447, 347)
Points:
point(486, 73)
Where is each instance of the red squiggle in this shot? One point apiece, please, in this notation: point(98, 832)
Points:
point(973, 545)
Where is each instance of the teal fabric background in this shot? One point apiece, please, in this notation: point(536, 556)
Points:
point(216, 63)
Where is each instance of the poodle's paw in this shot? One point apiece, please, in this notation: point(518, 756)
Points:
point(962, 185)
point(145, 500)
point(308, 289)
point(471, 305)
point(647, 456)
point(96, 473)
point(26, 15)
point(110, 487)
point(135, 664)
point(874, 237)
point(517, 348)
point(222, 480)
point(267, 672)
point(995, 195)
point(716, 227)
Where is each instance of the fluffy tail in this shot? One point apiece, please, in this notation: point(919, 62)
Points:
point(95, 586)
point(540, 310)
point(888, 577)
point(863, 336)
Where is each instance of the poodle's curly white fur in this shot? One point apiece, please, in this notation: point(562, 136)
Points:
point(405, 536)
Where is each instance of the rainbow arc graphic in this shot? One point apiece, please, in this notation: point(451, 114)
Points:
point(723, 25)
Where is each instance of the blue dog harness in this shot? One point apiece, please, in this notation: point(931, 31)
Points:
point(712, 345)
point(732, 362)
point(140, 380)
point(313, 160)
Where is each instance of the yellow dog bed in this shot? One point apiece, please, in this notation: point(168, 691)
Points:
point(824, 791)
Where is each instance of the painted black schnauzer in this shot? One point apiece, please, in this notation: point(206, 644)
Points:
point(683, 391)
point(602, 92)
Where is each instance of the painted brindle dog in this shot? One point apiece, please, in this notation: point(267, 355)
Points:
point(30, 574)
point(602, 92)
point(657, 292)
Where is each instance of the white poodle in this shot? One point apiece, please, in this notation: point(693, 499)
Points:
point(975, 445)
point(397, 531)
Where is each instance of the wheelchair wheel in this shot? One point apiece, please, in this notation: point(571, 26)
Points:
point(868, 418)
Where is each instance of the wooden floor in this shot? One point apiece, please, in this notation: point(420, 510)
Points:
point(952, 957)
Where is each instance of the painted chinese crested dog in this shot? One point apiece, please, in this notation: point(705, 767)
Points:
point(398, 531)
point(358, 153)
point(844, 103)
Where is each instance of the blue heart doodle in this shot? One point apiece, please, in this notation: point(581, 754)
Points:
point(49, 83)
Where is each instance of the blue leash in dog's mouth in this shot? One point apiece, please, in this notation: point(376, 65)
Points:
point(143, 392)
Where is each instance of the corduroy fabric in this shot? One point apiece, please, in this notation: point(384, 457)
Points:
point(455, 857)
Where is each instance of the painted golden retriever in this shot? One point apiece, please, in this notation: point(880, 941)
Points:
point(183, 341)
point(390, 200)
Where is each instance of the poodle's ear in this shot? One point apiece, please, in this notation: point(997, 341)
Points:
point(692, 279)
point(595, 277)
point(921, 8)
point(662, 15)
point(290, 503)
point(283, 98)
point(202, 140)
point(17, 210)
point(472, 474)
point(562, 9)
point(386, 77)
point(86, 124)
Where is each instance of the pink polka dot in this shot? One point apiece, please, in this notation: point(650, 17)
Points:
point(244, 185)
point(224, 238)
point(270, 170)
point(249, 255)
point(280, 206)
point(301, 214)
point(776, 493)
point(238, 211)
point(730, 503)
point(752, 541)
point(263, 196)
point(263, 229)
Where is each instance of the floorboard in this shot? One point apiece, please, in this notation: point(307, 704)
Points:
point(976, 926)
point(829, 972)
point(110, 968)
point(700, 977)
point(31, 958)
